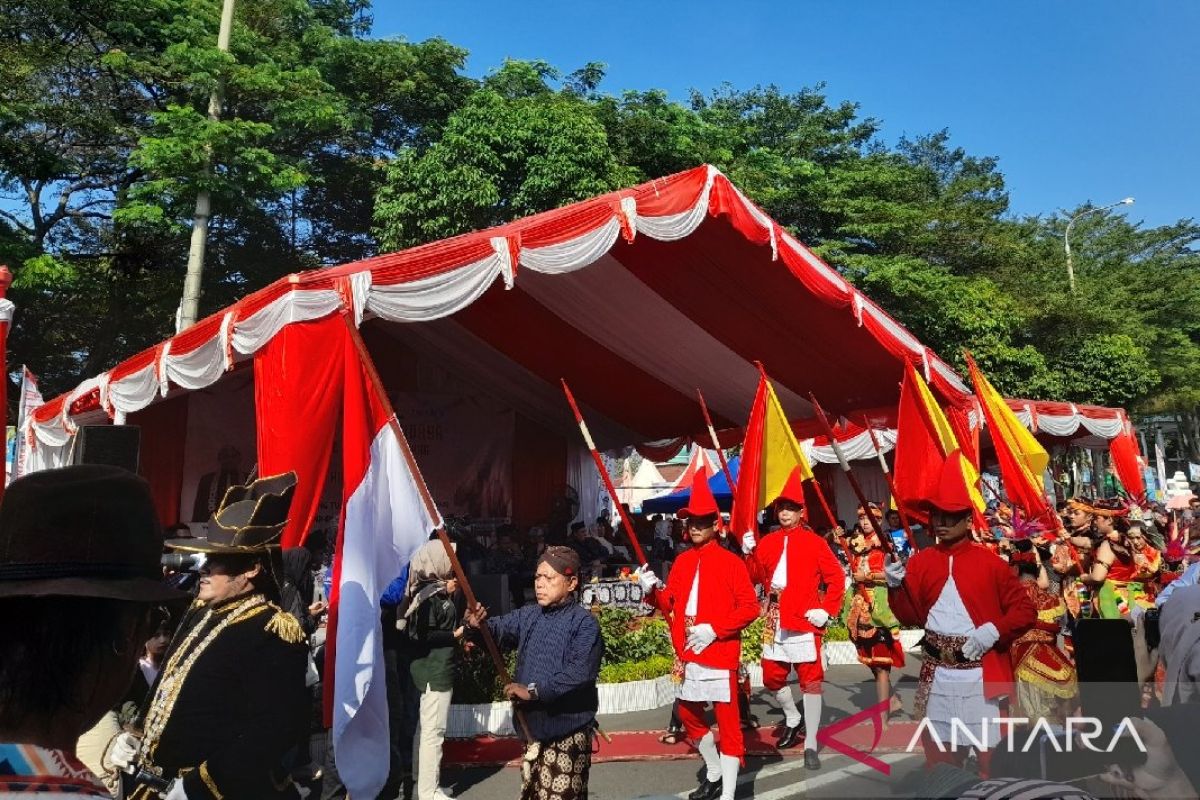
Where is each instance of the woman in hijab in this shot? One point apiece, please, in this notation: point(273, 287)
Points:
point(433, 621)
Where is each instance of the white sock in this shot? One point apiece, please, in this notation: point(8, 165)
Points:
point(812, 720)
point(712, 759)
point(729, 772)
point(791, 714)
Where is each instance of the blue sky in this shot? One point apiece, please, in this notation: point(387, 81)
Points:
point(1079, 100)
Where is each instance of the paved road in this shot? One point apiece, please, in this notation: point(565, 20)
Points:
point(763, 779)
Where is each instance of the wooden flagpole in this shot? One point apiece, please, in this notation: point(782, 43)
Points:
point(712, 432)
point(887, 474)
point(608, 484)
point(884, 539)
point(489, 641)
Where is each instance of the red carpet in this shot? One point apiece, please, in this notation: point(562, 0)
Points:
point(482, 751)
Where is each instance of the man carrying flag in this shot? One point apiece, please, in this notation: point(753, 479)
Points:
point(707, 601)
point(792, 564)
point(972, 607)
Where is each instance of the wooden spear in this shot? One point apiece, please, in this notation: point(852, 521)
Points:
point(712, 432)
point(887, 474)
point(608, 484)
point(489, 641)
point(884, 539)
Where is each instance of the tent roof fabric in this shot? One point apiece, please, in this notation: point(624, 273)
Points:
point(637, 298)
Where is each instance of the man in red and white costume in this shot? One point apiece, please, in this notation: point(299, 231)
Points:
point(792, 564)
point(707, 601)
point(972, 607)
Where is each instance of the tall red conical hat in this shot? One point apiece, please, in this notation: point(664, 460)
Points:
point(701, 503)
point(952, 493)
point(792, 490)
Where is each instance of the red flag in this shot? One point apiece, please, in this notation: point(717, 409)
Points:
point(770, 454)
point(924, 439)
point(1124, 454)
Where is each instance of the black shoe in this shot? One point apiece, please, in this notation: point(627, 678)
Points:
point(707, 790)
point(810, 760)
point(789, 737)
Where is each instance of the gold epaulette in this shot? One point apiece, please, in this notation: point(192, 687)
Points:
point(286, 626)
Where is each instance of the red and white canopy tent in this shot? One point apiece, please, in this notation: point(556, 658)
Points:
point(638, 298)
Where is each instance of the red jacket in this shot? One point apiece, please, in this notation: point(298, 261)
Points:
point(989, 590)
point(727, 602)
point(810, 564)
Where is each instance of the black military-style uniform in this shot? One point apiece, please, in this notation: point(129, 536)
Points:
point(230, 704)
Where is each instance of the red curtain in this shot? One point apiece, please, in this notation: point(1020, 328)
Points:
point(539, 470)
point(298, 384)
point(160, 459)
point(822, 474)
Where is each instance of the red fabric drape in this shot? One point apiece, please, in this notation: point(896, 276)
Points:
point(160, 460)
point(296, 427)
point(1123, 451)
point(822, 474)
point(539, 470)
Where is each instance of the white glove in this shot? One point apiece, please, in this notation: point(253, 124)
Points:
point(817, 617)
point(748, 542)
point(175, 790)
point(894, 570)
point(980, 641)
point(647, 579)
point(700, 636)
point(122, 750)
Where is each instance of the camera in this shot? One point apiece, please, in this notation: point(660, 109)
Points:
point(183, 562)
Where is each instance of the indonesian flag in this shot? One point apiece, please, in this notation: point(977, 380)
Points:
point(770, 454)
point(924, 438)
point(1022, 458)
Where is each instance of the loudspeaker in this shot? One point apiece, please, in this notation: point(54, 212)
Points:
point(114, 445)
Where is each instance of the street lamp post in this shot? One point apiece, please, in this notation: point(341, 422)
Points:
point(1128, 201)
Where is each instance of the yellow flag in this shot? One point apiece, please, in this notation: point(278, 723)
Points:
point(781, 452)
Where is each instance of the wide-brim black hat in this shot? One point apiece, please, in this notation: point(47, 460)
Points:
point(82, 531)
point(249, 521)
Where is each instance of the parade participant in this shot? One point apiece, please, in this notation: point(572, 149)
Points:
point(792, 564)
point(80, 589)
point(558, 648)
point(707, 601)
point(873, 627)
point(972, 608)
point(1174, 575)
point(1072, 557)
point(1044, 675)
point(1116, 572)
point(430, 618)
point(231, 701)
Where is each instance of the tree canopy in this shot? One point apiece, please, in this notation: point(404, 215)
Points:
point(333, 146)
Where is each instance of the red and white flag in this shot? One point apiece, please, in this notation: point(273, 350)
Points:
point(384, 520)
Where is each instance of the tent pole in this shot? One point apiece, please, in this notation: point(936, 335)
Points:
point(377, 384)
point(608, 484)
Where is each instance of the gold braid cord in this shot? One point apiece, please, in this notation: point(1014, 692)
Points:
point(175, 672)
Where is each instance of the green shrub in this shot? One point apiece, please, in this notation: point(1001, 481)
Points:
point(630, 640)
point(752, 641)
point(623, 672)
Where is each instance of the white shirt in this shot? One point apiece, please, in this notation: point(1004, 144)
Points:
point(949, 617)
point(779, 577)
point(702, 683)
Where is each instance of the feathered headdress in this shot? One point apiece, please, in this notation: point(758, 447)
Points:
point(1023, 528)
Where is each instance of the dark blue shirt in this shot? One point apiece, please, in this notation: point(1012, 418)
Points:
point(559, 649)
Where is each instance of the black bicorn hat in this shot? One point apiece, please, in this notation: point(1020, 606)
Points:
point(250, 519)
point(82, 531)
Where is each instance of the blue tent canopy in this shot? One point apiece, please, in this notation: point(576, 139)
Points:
point(670, 503)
